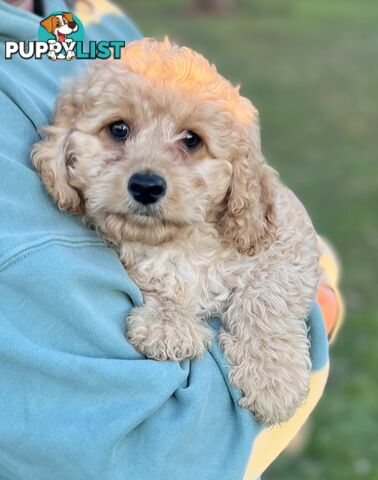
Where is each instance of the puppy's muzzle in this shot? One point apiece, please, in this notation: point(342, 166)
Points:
point(147, 187)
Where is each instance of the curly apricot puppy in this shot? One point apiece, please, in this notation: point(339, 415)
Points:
point(162, 155)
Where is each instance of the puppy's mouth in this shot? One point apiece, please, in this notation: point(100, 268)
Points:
point(142, 224)
point(143, 212)
point(148, 217)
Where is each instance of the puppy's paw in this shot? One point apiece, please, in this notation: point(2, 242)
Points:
point(274, 404)
point(167, 332)
point(273, 384)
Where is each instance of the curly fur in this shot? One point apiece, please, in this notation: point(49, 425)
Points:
point(227, 239)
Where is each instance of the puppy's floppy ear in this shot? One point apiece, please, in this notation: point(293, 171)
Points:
point(68, 16)
point(52, 155)
point(47, 23)
point(249, 220)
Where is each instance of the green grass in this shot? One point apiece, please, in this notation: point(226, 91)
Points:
point(311, 67)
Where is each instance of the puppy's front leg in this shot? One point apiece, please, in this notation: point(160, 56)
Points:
point(165, 330)
point(265, 340)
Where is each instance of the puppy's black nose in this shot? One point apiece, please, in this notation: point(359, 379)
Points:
point(147, 187)
point(72, 24)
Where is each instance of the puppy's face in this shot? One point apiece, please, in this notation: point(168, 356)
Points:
point(149, 161)
point(145, 159)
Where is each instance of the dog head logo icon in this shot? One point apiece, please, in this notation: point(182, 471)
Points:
point(60, 27)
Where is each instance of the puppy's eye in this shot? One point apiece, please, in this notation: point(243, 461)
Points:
point(58, 24)
point(192, 141)
point(119, 130)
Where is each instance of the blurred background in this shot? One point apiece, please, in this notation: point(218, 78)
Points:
point(311, 68)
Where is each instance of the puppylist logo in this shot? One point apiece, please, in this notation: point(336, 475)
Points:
point(61, 37)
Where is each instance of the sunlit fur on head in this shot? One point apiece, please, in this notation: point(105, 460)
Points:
point(182, 68)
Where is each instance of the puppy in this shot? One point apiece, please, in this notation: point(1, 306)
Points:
point(162, 156)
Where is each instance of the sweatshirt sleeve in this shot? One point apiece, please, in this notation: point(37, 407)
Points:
point(78, 402)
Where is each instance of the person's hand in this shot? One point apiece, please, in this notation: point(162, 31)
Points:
point(328, 301)
point(329, 296)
